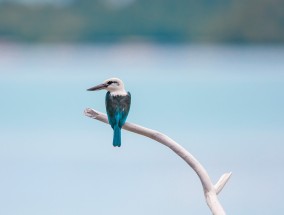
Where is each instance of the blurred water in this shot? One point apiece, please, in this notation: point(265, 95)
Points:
point(223, 103)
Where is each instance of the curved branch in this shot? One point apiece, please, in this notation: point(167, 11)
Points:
point(210, 190)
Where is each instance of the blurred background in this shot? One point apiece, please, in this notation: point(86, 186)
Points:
point(209, 74)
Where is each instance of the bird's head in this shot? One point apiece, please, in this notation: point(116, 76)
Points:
point(113, 85)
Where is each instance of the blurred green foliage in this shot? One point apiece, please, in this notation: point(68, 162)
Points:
point(245, 21)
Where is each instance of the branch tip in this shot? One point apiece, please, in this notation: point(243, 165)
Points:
point(91, 113)
point(222, 182)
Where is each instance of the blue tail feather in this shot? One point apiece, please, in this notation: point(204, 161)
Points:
point(116, 136)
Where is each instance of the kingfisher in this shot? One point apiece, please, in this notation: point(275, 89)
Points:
point(117, 103)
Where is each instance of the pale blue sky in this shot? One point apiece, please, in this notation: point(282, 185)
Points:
point(224, 104)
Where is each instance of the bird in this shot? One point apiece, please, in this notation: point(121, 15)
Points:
point(117, 102)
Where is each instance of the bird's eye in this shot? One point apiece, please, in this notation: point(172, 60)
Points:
point(110, 82)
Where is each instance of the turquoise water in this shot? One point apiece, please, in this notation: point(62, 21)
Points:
point(225, 104)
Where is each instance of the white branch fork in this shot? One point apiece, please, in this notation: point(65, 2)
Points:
point(210, 191)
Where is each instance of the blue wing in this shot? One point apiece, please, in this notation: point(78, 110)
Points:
point(117, 108)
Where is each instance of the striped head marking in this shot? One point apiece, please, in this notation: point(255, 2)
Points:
point(114, 85)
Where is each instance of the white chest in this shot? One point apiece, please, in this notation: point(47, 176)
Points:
point(118, 93)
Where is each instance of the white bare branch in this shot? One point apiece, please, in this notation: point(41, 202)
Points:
point(222, 182)
point(210, 191)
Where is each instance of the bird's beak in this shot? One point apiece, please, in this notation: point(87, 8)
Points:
point(98, 87)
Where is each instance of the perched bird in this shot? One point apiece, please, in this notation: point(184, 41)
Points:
point(117, 105)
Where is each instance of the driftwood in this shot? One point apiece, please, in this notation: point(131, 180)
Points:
point(210, 190)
